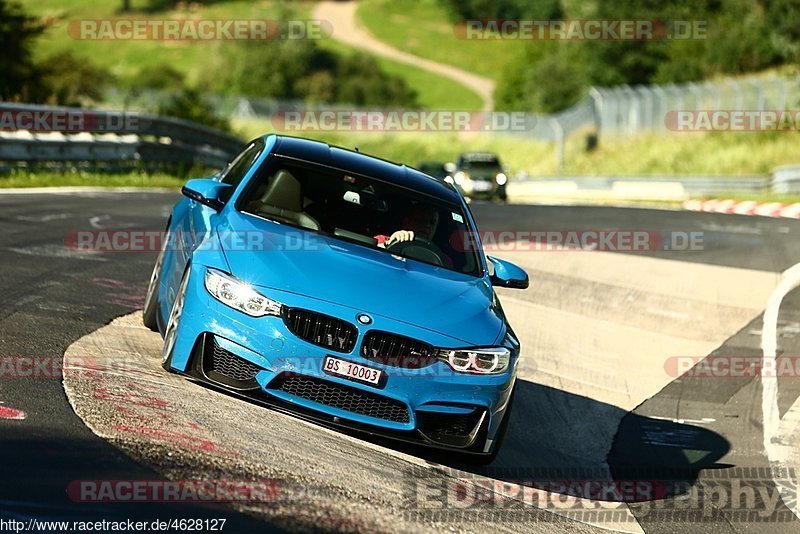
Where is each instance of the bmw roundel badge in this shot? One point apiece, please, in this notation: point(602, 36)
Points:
point(363, 318)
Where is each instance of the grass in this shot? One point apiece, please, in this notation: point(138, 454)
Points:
point(92, 179)
point(423, 28)
point(433, 91)
point(720, 153)
point(414, 147)
point(724, 154)
point(727, 154)
point(125, 59)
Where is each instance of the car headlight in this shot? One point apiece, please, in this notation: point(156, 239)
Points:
point(484, 361)
point(239, 295)
point(501, 178)
point(463, 180)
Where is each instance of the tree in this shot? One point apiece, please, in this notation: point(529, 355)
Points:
point(548, 77)
point(190, 105)
point(69, 80)
point(504, 9)
point(18, 74)
point(302, 70)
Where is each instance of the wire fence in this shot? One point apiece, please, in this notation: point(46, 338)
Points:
point(612, 112)
point(626, 111)
point(615, 112)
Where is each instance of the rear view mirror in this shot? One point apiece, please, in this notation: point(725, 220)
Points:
point(206, 191)
point(506, 274)
point(366, 200)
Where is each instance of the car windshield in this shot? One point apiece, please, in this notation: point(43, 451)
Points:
point(485, 166)
point(366, 211)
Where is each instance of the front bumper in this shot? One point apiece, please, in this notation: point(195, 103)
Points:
point(480, 188)
point(261, 359)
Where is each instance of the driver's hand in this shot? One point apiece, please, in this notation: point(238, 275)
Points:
point(399, 237)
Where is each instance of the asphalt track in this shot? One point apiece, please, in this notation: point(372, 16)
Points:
point(586, 410)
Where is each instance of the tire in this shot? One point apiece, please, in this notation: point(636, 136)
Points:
point(501, 195)
point(171, 332)
point(150, 312)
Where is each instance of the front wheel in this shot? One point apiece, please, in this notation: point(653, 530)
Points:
point(150, 313)
point(171, 333)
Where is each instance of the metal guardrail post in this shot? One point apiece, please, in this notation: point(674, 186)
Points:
point(558, 132)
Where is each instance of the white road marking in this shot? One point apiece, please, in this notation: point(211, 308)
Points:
point(778, 453)
point(57, 251)
point(701, 421)
point(95, 221)
point(731, 228)
point(43, 218)
point(668, 313)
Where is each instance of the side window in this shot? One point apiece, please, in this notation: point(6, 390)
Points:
point(237, 170)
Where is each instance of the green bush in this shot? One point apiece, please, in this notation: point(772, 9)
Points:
point(190, 105)
point(18, 75)
point(161, 77)
point(503, 9)
point(548, 78)
point(742, 36)
point(69, 80)
point(301, 70)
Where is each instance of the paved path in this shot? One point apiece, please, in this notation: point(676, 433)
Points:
point(342, 16)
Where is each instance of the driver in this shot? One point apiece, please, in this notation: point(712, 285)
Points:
point(421, 221)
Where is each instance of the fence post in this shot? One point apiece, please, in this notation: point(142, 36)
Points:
point(662, 106)
point(738, 89)
point(558, 132)
point(597, 109)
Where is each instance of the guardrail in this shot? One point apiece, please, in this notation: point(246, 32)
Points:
point(786, 179)
point(34, 136)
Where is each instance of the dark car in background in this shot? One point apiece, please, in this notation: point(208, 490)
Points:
point(480, 175)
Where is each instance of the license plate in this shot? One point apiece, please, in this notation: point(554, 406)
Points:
point(482, 186)
point(353, 371)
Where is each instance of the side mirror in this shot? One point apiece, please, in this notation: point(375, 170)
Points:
point(206, 191)
point(450, 167)
point(506, 274)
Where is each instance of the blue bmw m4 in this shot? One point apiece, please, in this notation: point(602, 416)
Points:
point(341, 288)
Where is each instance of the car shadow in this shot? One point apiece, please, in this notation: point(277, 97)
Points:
point(571, 444)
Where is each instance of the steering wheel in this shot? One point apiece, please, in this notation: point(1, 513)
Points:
point(419, 248)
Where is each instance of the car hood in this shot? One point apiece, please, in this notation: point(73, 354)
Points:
point(361, 278)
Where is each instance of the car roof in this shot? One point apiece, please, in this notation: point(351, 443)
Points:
point(357, 163)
